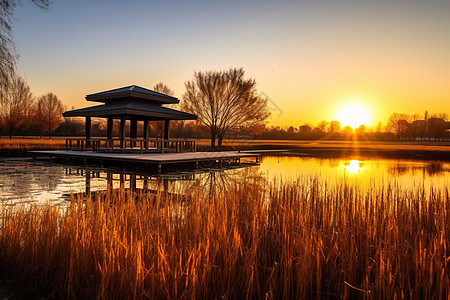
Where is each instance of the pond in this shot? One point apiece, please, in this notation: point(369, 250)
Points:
point(26, 181)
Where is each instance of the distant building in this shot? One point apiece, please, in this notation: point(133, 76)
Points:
point(305, 129)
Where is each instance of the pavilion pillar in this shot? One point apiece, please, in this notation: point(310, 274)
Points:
point(122, 132)
point(109, 130)
point(145, 134)
point(133, 131)
point(166, 129)
point(166, 134)
point(87, 130)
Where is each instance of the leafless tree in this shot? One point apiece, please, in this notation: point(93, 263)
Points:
point(321, 127)
point(16, 107)
point(176, 127)
point(8, 54)
point(49, 112)
point(162, 88)
point(335, 126)
point(224, 101)
point(398, 124)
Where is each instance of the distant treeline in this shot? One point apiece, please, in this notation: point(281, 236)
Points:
point(400, 127)
point(23, 114)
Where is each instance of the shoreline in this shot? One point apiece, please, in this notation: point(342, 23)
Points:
point(420, 150)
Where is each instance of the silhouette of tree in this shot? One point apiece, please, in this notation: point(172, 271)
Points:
point(8, 54)
point(162, 88)
point(176, 127)
point(321, 127)
point(17, 103)
point(361, 129)
point(398, 124)
point(224, 101)
point(49, 113)
point(347, 130)
point(335, 126)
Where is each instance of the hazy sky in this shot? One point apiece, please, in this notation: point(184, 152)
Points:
point(308, 57)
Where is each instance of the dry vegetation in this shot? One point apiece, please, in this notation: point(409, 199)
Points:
point(20, 146)
point(304, 240)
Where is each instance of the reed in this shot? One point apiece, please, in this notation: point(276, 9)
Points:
point(307, 239)
point(20, 146)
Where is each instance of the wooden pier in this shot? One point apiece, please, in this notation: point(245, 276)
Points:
point(154, 159)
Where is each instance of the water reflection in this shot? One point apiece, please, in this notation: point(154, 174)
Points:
point(39, 182)
point(430, 168)
point(365, 172)
point(353, 166)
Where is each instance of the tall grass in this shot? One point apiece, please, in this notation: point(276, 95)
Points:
point(307, 239)
point(20, 146)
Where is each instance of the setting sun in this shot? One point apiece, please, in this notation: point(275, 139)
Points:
point(353, 115)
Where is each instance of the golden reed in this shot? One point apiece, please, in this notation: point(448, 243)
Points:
point(307, 239)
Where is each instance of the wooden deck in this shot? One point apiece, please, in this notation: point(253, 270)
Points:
point(150, 158)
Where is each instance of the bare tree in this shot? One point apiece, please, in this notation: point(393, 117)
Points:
point(16, 107)
point(224, 101)
point(176, 127)
point(398, 123)
point(164, 89)
point(321, 127)
point(49, 112)
point(335, 126)
point(8, 54)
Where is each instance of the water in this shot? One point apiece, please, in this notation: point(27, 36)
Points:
point(29, 181)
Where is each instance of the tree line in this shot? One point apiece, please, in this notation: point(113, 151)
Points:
point(225, 102)
point(430, 126)
point(399, 126)
point(227, 106)
point(20, 110)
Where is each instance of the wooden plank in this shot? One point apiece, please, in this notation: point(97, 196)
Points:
point(153, 158)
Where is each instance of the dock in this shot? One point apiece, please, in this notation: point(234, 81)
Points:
point(155, 159)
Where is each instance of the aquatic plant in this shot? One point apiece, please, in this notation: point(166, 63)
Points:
point(306, 239)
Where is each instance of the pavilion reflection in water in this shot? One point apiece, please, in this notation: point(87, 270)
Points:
point(104, 181)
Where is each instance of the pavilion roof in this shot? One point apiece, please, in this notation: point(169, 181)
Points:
point(131, 102)
point(138, 110)
point(132, 92)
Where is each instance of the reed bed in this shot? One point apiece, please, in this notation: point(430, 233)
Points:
point(307, 239)
point(20, 146)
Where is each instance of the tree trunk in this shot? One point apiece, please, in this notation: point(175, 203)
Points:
point(219, 141)
point(213, 140)
point(213, 133)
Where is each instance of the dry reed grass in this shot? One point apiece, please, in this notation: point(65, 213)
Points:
point(20, 146)
point(307, 239)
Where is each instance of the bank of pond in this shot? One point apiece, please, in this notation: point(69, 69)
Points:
point(292, 227)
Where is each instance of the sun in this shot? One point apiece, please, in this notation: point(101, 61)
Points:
point(353, 115)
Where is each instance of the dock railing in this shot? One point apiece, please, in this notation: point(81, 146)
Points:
point(131, 145)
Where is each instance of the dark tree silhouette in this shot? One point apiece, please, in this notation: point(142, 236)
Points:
point(335, 126)
point(162, 88)
point(15, 111)
point(49, 113)
point(8, 54)
point(224, 101)
point(398, 123)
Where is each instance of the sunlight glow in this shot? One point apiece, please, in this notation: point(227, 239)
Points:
point(353, 115)
point(353, 166)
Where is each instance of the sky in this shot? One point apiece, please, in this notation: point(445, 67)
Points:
point(310, 58)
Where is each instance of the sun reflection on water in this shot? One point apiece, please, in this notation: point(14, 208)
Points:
point(353, 166)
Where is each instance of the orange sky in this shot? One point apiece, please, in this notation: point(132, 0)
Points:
point(310, 59)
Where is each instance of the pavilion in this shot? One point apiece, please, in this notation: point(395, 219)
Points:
point(134, 104)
